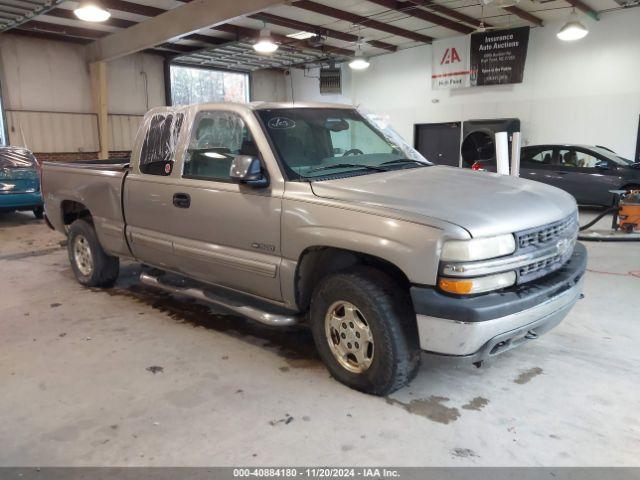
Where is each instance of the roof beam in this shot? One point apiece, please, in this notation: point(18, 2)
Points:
point(410, 9)
point(360, 20)
point(524, 15)
point(172, 24)
point(134, 8)
point(112, 21)
point(307, 27)
point(21, 30)
point(583, 7)
point(36, 26)
point(252, 34)
point(121, 23)
point(450, 12)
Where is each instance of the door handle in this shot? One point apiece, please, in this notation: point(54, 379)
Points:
point(561, 172)
point(181, 200)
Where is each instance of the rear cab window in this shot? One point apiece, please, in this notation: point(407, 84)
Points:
point(157, 156)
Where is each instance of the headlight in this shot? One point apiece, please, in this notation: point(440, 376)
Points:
point(469, 286)
point(478, 248)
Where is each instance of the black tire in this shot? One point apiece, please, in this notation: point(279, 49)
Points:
point(104, 268)
point(38, 212)
point(389, 316)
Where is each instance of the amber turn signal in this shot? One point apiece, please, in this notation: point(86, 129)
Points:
point(460, 287)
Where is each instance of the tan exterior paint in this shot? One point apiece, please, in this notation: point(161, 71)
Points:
point(215, 239)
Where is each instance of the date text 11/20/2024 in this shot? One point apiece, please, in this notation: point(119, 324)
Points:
point(316, 472)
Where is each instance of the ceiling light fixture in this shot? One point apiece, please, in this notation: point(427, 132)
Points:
point(92, 11)
point(359, 62)
point(302, 35)
point(573, 29)
point(265, 43)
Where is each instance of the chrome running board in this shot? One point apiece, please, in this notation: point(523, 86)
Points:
point(254, 313)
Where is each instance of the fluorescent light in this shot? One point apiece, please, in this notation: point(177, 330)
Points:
point(92, 11)
point(265, 43)
point(302, 35)
point(572, 30)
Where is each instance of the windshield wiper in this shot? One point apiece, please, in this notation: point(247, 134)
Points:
point(347, 165)
point(400, 161)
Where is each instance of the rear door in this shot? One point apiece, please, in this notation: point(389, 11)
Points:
point(537, 163)
point(224, 233)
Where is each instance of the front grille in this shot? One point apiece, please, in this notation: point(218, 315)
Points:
point(562, 233)
point(541, 236)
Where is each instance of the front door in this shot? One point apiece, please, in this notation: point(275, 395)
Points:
point(587, 176)
point(225, 233)
point(148, 191)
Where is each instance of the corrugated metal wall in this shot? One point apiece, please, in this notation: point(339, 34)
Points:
point(123, 129)
point(68, 132)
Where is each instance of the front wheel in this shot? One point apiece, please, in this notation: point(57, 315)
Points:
point(38, 212)
point(365, 331)
point(91, 265)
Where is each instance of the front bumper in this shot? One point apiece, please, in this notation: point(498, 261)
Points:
point(479, 327)
point(18, 201)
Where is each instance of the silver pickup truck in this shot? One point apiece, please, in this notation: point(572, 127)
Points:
point(322, 214)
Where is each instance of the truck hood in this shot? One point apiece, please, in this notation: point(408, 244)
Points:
point(483, 203)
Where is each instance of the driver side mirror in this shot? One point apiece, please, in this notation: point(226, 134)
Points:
point(247, 169)
point(602, 165)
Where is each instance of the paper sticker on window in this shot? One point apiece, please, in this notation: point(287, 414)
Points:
point(281, 123)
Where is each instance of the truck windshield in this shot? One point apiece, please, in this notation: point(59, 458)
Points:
point(319, 143)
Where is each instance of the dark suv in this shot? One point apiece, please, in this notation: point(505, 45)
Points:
point(586, 172)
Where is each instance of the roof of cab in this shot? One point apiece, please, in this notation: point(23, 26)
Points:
point(165, 110)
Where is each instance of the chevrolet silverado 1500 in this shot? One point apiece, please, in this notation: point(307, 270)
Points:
point(322, 214)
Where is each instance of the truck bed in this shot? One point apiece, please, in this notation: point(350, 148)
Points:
point(110, 164)
point(94, 185)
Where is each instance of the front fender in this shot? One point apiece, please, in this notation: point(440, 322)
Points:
point(412, 247)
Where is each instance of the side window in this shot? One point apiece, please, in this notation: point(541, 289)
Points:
point(159, 147)
point(356, 136)
point(579, 159)
point(216, 139)
point(538, 157)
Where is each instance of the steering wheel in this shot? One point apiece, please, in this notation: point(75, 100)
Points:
point(353, 151)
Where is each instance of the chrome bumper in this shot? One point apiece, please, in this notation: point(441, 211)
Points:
point(480, 340)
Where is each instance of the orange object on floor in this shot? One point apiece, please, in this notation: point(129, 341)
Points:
point(629, 214)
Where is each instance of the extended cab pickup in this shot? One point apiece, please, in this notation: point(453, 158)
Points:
point(323, 214)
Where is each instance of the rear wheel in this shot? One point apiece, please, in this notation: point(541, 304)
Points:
point(365, 331)
point(38, 212)
point(91, 265)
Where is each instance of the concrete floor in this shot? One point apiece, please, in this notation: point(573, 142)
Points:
point(131, 376)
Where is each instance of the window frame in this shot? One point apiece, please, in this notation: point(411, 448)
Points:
point(585, 151)
point(176, 143)
point(169, 84)
point(192, 132)
point(535, 164)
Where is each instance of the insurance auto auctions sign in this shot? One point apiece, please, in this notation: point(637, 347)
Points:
point(498, 57)
point(450, 63)
point(488, 58)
